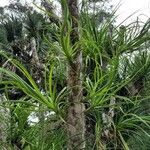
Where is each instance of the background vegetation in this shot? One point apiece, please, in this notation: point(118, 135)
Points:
point(38, 47)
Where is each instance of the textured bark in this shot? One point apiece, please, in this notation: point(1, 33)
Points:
point(4, 125)
point(35, 58)
point(75, 114)
point(108, 119)
point(37, 74)
point(50, 10)
point(36, 68)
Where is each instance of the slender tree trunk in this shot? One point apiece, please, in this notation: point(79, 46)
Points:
point(4, 125)
point(37, 67)
point(50, 10)
point(2, 122)
point(38, 77)
point(35, 59)
point(75, 114)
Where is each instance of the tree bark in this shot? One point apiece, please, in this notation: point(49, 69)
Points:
point(37, 67)
point(50, 11)
point(4, 125)
point(37, 74)
point(75, 114)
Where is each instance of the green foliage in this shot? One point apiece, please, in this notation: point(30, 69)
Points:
point(35, 24)
point(13, 28)
point(115, 83)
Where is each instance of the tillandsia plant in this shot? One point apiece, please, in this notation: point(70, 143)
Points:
point(110, 88)
point(50, 98)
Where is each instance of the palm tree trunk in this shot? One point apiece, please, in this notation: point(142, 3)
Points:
point(75, 114)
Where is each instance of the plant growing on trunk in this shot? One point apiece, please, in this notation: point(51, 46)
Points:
point(75, 118)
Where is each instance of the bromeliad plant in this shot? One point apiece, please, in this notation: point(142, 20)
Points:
point(29, 87)
point(114, 91)
point(48, 97)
